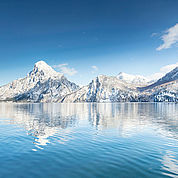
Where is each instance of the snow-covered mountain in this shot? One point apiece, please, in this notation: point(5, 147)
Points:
point(169, 77)
point(124, 88)
point(104, 89)
point(165, 89)
point(164, 92)
point(133, 79)
point(42, 84)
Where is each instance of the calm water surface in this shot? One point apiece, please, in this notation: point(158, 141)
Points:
point(89, 140)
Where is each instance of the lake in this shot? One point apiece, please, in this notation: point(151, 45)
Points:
point(89, 140)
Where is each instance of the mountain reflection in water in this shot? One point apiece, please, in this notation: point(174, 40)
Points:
point(108, 127)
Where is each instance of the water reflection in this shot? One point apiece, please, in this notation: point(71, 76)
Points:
point(44, 120)
point(141, 136)
point(130, 118)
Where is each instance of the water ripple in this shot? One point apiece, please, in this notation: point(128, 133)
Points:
point(89, 140)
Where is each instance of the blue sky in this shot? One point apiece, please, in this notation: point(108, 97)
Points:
point(87, 38)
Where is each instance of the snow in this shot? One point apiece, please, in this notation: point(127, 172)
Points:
point(134, 79)
point(43, 68)
point(170, 76)
point(44, 84)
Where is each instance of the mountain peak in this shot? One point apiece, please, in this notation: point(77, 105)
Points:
point(134, 79)
point(41, 65)
point(43, 68)
point(42, 84)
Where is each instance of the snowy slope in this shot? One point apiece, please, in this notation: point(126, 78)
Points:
point(165, 89)
point(41, 84)
point(170, 76)
point(104, 89)
point(124, 88)
point(133, 79)
point(165, 92)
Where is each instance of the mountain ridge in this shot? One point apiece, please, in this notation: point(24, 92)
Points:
point(170, 76)
point(44, 84)
point(41, 82)
point(133, 79)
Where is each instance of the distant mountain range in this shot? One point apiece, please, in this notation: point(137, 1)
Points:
point(44, 84)
point(134, 79)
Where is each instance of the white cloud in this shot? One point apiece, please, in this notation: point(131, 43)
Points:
point(163, 71)
point(65, 69)
point(94, 69)
point(169, 38)
point(168, 68)
point(155, 76)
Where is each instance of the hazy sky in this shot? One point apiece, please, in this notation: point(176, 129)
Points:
point(85, 38)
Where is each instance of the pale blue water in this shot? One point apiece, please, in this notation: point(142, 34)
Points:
point(89, 140)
